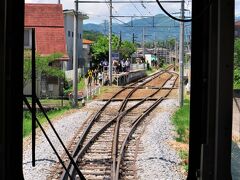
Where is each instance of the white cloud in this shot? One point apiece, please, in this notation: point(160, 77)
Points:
point(237, 7)
point(100, 12)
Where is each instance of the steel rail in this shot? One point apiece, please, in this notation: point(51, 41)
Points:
point(86, 131)
point(120, 116)
point(116, 129)
point(116, 132)
point(98, 115)
point(134, 126)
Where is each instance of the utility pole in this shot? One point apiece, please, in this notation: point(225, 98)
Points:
point(119, 44)
point(133, 38)
point(120, 38)
point(181, 58)
point(155, 47)
point(105, 27)
point(110, 44)
point(75, 57)
point(143, 42)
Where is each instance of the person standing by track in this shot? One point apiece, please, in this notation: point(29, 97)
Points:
point(95, 76)
point(90, 74)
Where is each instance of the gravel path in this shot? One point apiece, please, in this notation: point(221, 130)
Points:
point(45, 157)
point(158, 160)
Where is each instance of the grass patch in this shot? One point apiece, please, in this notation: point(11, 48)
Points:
point(181, 122)
point(165, 66)
point(151, 71)
point(184, 156)
point(107, 89)
point(27, 118)
point(81, 87)
point(51, 102)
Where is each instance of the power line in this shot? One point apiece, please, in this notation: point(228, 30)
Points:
point(135, 7)
point(127, 2)
point(184, 20)
point(119, 20)
point(146, 8)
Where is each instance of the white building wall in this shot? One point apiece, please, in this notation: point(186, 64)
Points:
point(68, 27)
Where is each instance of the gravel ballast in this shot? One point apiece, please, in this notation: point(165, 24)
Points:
point(158, 160)
point(67, 127)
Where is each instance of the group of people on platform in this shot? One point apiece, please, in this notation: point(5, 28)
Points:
point(95, 76)
point(118, 66)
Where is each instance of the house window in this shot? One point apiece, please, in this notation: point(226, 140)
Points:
point(69, 33)
point(80, 36)
point(27, 38)
point(72, 34)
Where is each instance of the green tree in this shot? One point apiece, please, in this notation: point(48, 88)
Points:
point(170, 43)
point(237, 52)
point(149, 44)
point(237, 63)
point(42, 66)
point(100, 49)
point(127, 49)
point(91, 35)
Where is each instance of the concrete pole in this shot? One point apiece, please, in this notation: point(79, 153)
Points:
point(75, 57)
point(176, 52)
point(105, 27)
point(110, 44)
point(143, 42)
point(181, 58)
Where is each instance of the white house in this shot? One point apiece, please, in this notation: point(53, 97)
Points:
point(68, 27)
point(86, 52)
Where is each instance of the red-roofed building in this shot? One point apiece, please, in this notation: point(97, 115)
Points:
point(86, 41)
point(237, 28)
point(86, 52)
point(48, 21)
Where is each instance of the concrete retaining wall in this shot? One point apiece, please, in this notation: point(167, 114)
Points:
point(135, 75)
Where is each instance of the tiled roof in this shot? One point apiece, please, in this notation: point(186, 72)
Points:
point(44, 15)
point(86, 41)
point(237, 23)
point(48, 21)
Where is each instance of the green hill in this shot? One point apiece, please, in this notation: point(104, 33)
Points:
point(159, 27)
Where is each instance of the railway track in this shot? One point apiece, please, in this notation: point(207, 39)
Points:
point(106, 148)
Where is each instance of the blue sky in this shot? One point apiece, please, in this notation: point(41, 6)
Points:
point(99, 12)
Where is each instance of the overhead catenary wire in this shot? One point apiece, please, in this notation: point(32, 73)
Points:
point(107, 3)
point(137, 9)
point(184, 20)
point(146, 8)
point(121, 21)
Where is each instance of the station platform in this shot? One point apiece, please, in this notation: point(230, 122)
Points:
point(124, 78)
